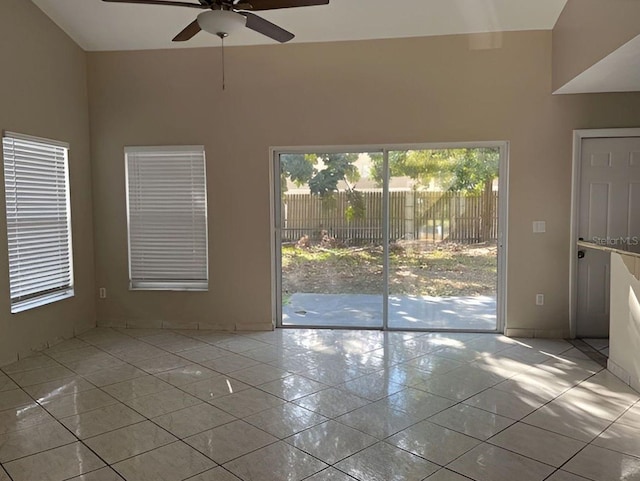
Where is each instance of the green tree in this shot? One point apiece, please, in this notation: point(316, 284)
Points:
point(470, 171)
point(322, 173)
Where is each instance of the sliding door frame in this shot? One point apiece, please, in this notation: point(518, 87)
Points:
point(276, 227)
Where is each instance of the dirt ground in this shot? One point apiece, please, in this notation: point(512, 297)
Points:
point(416, 268)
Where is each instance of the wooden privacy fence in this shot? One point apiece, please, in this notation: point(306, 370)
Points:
point(432, 216)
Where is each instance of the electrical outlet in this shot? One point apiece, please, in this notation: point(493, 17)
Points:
point(103, 293)
point(539, 299)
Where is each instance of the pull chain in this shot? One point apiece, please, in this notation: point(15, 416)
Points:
point(223, 73)
point(222, 36)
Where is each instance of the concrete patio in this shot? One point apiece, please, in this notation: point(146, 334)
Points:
point(405, 312)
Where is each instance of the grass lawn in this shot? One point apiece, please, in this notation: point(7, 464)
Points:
point(416, 268)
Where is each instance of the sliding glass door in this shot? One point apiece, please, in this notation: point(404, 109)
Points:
point(330, 214)
point(443, 234)
point(395, 238)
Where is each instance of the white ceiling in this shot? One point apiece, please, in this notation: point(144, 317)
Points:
point(98, 26)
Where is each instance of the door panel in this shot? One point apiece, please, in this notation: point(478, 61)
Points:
point(609, 214)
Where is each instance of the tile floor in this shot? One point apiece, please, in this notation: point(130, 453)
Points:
point(149, 405)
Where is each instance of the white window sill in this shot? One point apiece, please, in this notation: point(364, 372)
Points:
point(22, 306)
point(169, 286)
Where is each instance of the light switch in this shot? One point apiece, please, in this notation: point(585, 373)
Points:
point(539, 226)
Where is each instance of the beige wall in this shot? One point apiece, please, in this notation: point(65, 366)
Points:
point(589, 30)
point(624, 342)
point(43, 92)
point(435, 89)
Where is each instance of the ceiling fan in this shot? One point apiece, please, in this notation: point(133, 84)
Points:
point(222, 17)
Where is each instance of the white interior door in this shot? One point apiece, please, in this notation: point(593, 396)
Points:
point(609, 213)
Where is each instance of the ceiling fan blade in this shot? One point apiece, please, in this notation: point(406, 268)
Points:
point(267, 28)
point(188, 33)
point(169, 3)
point(275, 4)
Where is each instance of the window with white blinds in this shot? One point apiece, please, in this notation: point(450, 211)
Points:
point(36, 184)
point(167, 209)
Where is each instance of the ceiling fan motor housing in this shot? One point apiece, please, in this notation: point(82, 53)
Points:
point(221, 22)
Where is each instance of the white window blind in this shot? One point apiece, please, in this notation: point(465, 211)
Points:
point(36, 185)
point(167, 208)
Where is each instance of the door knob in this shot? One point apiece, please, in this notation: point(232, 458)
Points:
point(581, 254)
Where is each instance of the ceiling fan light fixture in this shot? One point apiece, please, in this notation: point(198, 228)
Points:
point(221, 22)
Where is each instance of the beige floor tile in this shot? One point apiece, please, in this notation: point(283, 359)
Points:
point(330, 474)
point(104, 474)
point(239, 344)
point(6, 383)
point(129, 441)
point(622, 438)
point(162, 402)
point(435, 364)
point(214, 388)
point(55, 465)
point(66, 345)
point(491, 463)
point(22, 418)
point(187, 375)
point(38, 361)
point(599, 464)
point(173, 462)
point(83, 367)
point(101, 420)
point(631, 417)
point(454, 388)
point(61, 387)
point(401, 379)
point(446, 475)
point(206, 353)
point(539, 444)
point(38, 376)
point(138, 387)
point(33, 440)
point(247, 402)
point(384, 462)
point(166, 362)
point(278, 461)
point(292, 387)
point(434, 443)
point(230, 441)
point(568, 421)
point(596, 401)
point(259, 374)
point(14, 399)
point(114, 375)
point(285, 420)
point(565, 476)
point(331, 402)
point(215, 474)
point(331, 441)
point(503, 403)
point(417, 403)
point(193, 420)
point(372, 387)
point(230, 363)
point(78, 403)
point(378, 419)
point(71, 355)
point(471, 421)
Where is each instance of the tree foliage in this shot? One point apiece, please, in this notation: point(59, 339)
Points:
point(322, 173)
point(468, 170)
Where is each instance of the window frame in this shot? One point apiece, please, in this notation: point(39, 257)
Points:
point(46, 296)
point(174, 284)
